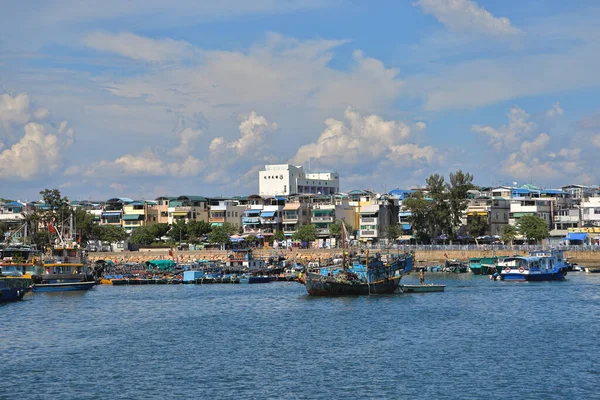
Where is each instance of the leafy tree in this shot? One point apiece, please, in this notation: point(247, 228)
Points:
point(335, 228)
point(85, 225)
point(477, 225)
point(178, 231)
point(219, 235)
point(533, 227)
point(198, 229)
point(251, 240)
point(306, 233)
point(142, 235)
point(159, 230)
point(460, 184)
point(392, 232)
point(420, 218)
point(279, 236)
point(58, 208)
point(111, 233)
point(440, 219)
point(509, 232)
point(3, 229)
point(230, 228)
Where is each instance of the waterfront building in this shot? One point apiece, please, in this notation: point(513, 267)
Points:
point(112, 213)
point(162, 205)
point(271, 216)
point(222, 211)
point(139, 213)
point(521, 206)
point(590, 211)
point(251, 218)
point(286, 179)
point(581, 191)
point(188, 208)
point(502, 191)
point(495, 211)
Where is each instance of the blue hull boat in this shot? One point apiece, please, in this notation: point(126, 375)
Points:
point(547, 265)
point(13, 289)
point(63, 287)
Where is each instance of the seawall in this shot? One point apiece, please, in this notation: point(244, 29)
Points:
point(422, 257)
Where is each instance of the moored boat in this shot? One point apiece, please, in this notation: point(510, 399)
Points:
point(425, 288)
point(65, 269)
point(538, 266)
point(484, 265)
point(365, 276)
point(13, 288)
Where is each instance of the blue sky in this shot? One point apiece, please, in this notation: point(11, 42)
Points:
point(142, 99)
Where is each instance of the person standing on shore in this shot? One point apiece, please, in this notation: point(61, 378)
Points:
point(422, 276)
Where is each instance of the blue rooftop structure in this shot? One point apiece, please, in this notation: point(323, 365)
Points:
point(401, 194)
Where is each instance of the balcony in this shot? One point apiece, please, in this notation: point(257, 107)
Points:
point(216, 219)
point(322, 231)
point(290, 220)
point(368, 233)
point(368, 220)
point(251, 220)
point(566, 218)
point(322, 219)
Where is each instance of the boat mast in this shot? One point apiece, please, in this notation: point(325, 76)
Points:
point(343, 246)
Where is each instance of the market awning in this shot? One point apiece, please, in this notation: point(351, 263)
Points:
point(576, 236)
point(406, 227)
point(111, 215)
point(268, 214)
point(216, 224)
point(252, 212)
point(132, 217)
point(180, 213)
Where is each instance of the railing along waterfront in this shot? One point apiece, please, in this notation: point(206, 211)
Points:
point(481, 247)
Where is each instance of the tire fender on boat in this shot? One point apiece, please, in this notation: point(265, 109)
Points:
point(507, 269)
point(521, 269)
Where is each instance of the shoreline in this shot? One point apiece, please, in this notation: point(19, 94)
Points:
point(429, 257)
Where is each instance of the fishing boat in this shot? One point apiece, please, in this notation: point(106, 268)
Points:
point(19, 260)
point(366, 275)
point(484, 265)
point(64, 268)
point(13, 288)
point(547, 265)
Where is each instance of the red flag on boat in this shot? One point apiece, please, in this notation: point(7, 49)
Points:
point(51, 228)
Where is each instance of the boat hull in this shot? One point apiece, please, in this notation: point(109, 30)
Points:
point(423, 288)
point(556, 276)
point(8, 295)
point(319, 285)
point(63, 287)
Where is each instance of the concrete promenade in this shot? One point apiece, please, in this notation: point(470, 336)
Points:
point(429, 257)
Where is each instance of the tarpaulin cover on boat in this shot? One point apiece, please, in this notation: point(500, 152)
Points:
point(161, 264)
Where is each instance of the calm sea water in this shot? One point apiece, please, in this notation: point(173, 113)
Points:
point(478, 340)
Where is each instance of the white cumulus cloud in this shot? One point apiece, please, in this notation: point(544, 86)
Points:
point(467, 16)
point(40, 151)
point(365, 143)
point(519, 126)
point(253, 132)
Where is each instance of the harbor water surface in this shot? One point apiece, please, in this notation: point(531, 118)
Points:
point(478, 339)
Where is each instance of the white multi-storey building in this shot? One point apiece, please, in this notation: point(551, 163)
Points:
point(590, 211)
point(285, 179)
